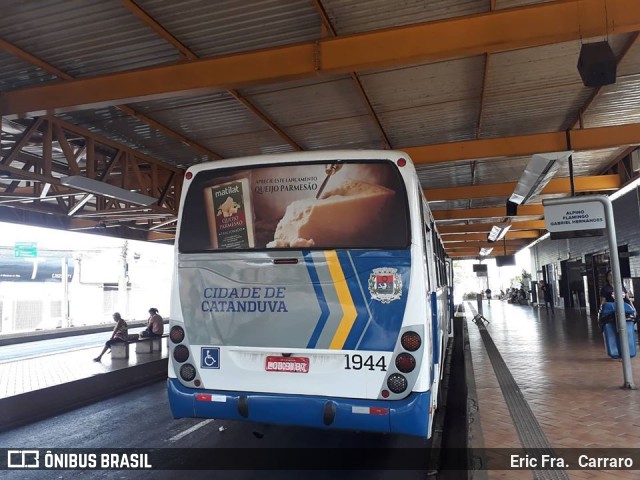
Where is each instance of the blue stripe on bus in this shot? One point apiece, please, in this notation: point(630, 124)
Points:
point(381, 333)
point(408, 416)
point(322, 301)
point(360, 302)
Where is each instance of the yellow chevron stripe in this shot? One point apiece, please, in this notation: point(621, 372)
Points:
point(349, 312)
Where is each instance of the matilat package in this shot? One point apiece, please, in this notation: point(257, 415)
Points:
point(230, 214)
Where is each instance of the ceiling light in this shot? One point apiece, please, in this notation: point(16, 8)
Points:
point(624, 190)
point(498, 233)
point(80, 204)
point(485, 251)
point(106, 190)
point(537, 174)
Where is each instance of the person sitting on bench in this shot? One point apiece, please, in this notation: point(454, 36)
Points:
point(155, 325)
point(120, 334)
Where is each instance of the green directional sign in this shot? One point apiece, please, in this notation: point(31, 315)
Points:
point(26, 249)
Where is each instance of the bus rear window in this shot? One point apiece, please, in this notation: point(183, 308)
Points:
point(347, 204)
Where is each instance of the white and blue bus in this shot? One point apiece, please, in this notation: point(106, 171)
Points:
point(310, 289)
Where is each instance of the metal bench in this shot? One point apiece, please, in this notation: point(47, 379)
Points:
point(120, 350)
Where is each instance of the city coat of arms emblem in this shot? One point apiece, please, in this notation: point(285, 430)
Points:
point(385, 284)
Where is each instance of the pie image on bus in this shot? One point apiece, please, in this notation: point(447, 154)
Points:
point(310, 289)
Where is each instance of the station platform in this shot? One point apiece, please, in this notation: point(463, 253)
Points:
point(41, 385)
point(556, 387)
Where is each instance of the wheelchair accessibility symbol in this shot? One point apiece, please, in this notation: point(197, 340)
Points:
point(210, 357)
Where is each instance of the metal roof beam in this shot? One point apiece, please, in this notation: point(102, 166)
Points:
point(490, 212)
point(524, 145)
point(486, 227)
point(499, 31)
point(474, 254)
point(452, 238)
point(597, 183)
point(476, 251)
point(484, 244)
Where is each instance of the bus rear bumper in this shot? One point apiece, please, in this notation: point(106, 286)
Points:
point(409, 416)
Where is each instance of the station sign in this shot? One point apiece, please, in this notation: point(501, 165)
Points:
point(25, 249)
point(574, 216)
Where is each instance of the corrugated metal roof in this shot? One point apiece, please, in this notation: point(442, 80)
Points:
point(630, 64)
point(617, 104)
point(16, 73)
point(312, 103)
point(425, 84)
point(531, 69)
point(539, 110)
point(228, 26)
point(440, 123)
point(255, 143)
point(352, 132)
point(448, 205)
point(441, 176)
point(354, 16)
point(138, 135)
point(499, 170)
point(222, 115)
point(592, 162)
point(84, 37)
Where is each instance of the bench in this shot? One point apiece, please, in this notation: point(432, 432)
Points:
point(120, 350)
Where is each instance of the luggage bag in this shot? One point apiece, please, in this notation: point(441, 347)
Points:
point(612, 342)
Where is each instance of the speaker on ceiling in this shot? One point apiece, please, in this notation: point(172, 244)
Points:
point(597, 64)
point(512, 209)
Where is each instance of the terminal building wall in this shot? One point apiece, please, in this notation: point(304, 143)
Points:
point(559, 255)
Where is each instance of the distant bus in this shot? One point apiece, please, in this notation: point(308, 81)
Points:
point(310, 289)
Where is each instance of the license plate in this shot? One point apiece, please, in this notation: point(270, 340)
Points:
point(287, 364)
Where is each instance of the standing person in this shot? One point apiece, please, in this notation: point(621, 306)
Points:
point(547, 295)
point(607, 293)
point(488, 294)
point(155, 325)
point(120, 334)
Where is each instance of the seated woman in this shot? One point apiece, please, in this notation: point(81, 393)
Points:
point(120, 334)
point(155, 325)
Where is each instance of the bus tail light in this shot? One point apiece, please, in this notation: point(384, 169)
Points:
point(187, 372)
point(397, 383)
point(405, 362)
point(177, 334)
point(181, 353)
point(411, 341)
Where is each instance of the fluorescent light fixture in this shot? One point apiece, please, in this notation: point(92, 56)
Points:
point(498, 233)
point(624, 190)
point(106, 190)
point(163, 224)
point(540, 169)
point(485, 251)
point(45, 190)
point(80, 204)
point(538, 240)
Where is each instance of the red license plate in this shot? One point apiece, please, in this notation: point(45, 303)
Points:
point(287, 364)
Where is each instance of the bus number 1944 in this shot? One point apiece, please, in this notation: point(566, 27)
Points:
point(357, 362)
